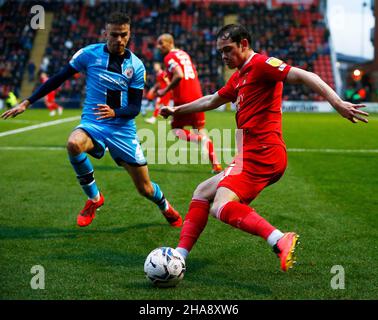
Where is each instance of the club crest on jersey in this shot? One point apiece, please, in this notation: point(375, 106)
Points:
point(274, 62)
point(129, 72)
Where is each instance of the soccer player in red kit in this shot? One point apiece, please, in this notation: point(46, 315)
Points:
point(256, 87)
point(186, 88)
point(162, 82)
point(50, 98)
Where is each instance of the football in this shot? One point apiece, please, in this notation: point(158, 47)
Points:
point(165, 267)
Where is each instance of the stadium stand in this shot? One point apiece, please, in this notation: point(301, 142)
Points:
point(16, 41)
point(295, 34)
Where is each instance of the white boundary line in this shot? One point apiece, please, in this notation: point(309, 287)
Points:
point(298, 150)
point(37, 126)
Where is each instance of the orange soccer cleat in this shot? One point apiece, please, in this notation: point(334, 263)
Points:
point(86, 215)
point(284, 248)
point(172, 216)
point(217, 168)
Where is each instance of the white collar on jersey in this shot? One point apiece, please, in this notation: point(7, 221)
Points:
point(248, 60)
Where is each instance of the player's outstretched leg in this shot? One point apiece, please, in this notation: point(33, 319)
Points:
point(246, 218)
point(198, 214)
point(195, 221)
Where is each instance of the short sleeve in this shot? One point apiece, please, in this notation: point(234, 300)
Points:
point(79, 60)
point(171, 63)
point(228, 91)
point(139, 77)
point(272, 69)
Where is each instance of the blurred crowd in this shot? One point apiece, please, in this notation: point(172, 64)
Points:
point(296, 36)
point(16, 42)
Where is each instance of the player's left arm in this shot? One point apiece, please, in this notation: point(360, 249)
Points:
point(177, 75)
point(346, 109)
point(103, 111)
point(134, 98)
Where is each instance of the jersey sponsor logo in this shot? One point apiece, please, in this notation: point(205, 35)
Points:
point(107, 78)
point(274, 62)
point(129, 72)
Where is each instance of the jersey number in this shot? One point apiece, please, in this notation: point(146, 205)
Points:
point(187, 64)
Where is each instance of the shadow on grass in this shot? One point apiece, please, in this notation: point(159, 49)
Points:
point(9, 233)
point(169, 169)
point(198, 277)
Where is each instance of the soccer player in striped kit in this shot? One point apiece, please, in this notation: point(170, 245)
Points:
point(114, 87)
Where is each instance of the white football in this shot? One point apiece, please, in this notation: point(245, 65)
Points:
point(165, 267)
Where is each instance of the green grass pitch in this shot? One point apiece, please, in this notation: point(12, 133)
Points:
point(329, 198)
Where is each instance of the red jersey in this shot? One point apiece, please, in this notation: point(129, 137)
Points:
point(189, 88)
point(257, 91)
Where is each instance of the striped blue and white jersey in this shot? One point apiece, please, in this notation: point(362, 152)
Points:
point(108, 79)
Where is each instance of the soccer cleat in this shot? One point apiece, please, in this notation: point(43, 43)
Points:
point(284, 248)
point(172, 216)
point(151, 120)
point(86, 215)
point(217, 168)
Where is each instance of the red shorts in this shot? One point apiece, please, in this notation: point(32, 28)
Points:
point(195, 120)
point(164, 100)
point(259, 166)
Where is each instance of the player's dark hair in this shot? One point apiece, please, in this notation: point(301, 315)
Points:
point(235, 32)
point(118, 18)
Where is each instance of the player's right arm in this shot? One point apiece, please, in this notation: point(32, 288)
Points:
point(205, 103)
point(49, 86)
point(78, 63)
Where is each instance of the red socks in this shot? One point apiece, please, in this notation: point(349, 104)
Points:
point(156, 112)
point(185, 134)
point(212, 156)
point(245, 218)
point(195, 222)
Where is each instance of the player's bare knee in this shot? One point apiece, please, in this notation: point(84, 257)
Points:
point(214, 210)
point(202, 192)
point(73, 146)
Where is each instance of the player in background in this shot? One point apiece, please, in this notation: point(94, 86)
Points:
point(161, 82)
point(256, 87)
point(114, 88)
point(50, 98)
point(186, 88)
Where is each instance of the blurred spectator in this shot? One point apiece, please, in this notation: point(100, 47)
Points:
point(10, 100)
point(31, 71)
